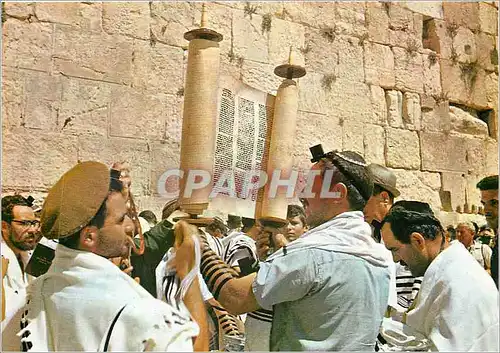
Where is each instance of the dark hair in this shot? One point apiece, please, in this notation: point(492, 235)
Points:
point(407, 217)
point(8, 204)
point(296, 211)
point(248, 223)
point(377, 190)
point(73, 240)
point(148, 216)
point(350, 169)
point(488, 183)
point(217, 224)
point(233, 221)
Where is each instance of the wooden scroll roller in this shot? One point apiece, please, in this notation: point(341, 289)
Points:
point(272, 212)
point(200, 112)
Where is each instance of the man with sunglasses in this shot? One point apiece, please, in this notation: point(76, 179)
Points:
point(20, 235)
point(457, 305)
point(329, 289)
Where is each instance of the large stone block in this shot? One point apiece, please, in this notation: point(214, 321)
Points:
point(12, 98)
point(350, 18)
point(464, 44)
point(379, 65)
point(463, 122)
point(27, 45)
point(443, 152)
point(320, 53)
point(487, 56)
point(126, 18)
point(419, 186)
point(394, 103)
point(488, 18)
point(165, 155)
point(491, 157)
point(250, 42)
point(409, 70)
point(140, 115)
point(405, 27)
point(170, 20)
point(22, 166)
point(157, 69)
point(282, 36)
point(377, 22)
point(475, 153)
point(374, 144)
point(84, 107)
point(412, 113)
point(349, 100)
point(402, 149)
point(313, 97)
point(378, 106)
point(136, 152)
point(84, 15)
point(19, 10)
point(437, 37)
point(353, 136)
point(491, 89)
point(261, 76)
point(314, 14)
point(96, 56)
point(42, 94)
point(350, 58)
point(432, 73)
point(455, 184)
point(429, 9)
point(462, 13)
point(438, 118)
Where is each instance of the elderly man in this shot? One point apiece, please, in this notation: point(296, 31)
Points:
point(481, 252)
point(20, 235)
point(313, 309)
point(457, 306)
point(489, 198)
point(84, 302)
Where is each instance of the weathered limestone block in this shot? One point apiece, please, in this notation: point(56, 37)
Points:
point(96, 56)
point(22, 166)
point(350, 58)
point(484, 87)
point(379, 65)
point(419, 186)
point(409, 70)
point(491, 85)
point(314, 14)
point(437, 118)
point(86, 16)
point(126, 18)
point(313, 97)
point(455, 183)
point(464, 44)
point(443, 152)
point(261, 76)
point(377, 22)
point(165, 155)
point(394, 103)
point(475, 153)
point(464, 122)
point(405, 27)
point(350, 18)
point(432, 73)
point(378, 105)
point(353, 136)
point(320, 54)
point(249, 41)
point(156, 69)
point(135, 114)
point(282, 36)
point(437, 37)
point(491, 157)
point(19, 10)
point(412, 114)
point(27, 45)
point(12, 98)
point(349, 100)
point(462, 13)
point(42, 93)
point(170, 20)
point(430, 9)
point(488, 18)
point(487, 56)
point(136, 152)
point(374, 144)
point(403, 149)
point(260, 8)
point(84, 107)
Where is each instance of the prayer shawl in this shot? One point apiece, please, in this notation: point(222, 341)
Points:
point(347, 233)
point(73, 305)
point(457, 306)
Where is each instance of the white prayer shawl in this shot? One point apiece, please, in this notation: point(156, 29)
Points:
point(15, 283)
point(72, 306)
point(457, 306)
point(347, 233)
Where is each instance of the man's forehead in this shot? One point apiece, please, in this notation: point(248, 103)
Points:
point(387, 234)
point(23, 211)
point(489, 194)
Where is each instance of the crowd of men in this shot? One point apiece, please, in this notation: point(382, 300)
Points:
point(337, 276)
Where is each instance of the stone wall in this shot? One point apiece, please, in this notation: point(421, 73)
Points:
point(413, 86)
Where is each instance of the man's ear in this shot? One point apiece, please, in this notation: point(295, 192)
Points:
point(88, 238)
point(384, 195)
point(5, 229)
point(341, 190)
point(417, 240)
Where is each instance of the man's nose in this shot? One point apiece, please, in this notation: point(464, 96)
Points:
point(129, 226)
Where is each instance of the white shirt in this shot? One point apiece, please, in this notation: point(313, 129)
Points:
point(457, 306)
